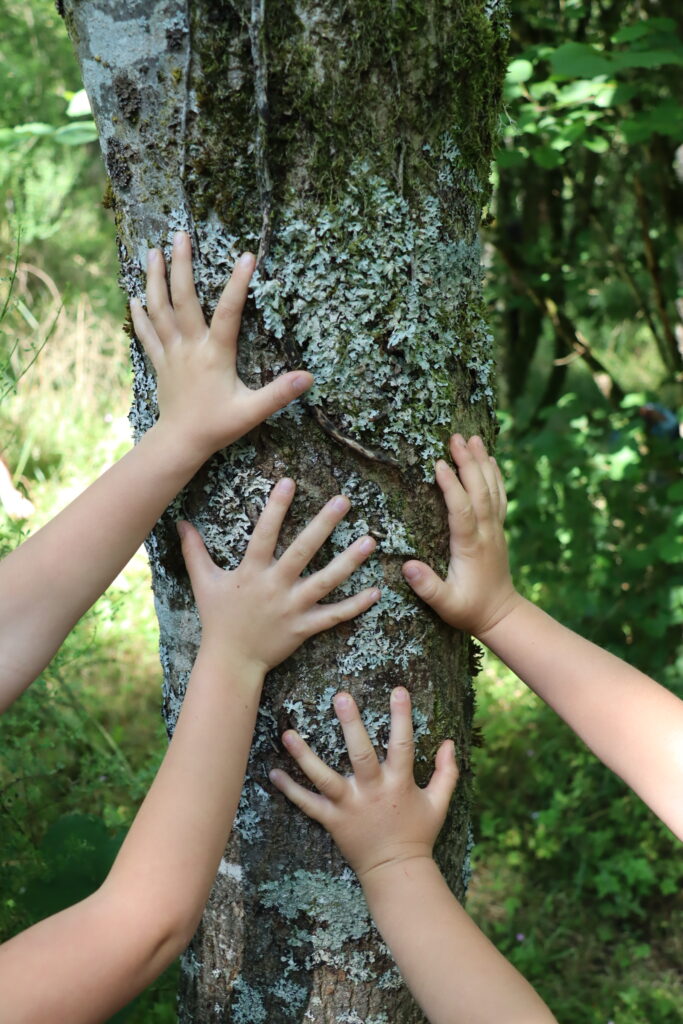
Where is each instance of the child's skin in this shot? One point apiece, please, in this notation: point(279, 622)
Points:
point(82, 965)
point(627, 719)
point(385, 826)
point(54, 577)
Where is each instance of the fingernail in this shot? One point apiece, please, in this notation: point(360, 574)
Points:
point(179, 239)
point(366, 545)
point(343, 701)
point(152, 256)
point(375, 594)
point(290, 737)
point(411, 572)
point(459, 440)
point(339, 504)
point(300, 384)
point(273, 774)
point(246, 259)
point(285, 486)
point(400, 694)
point(182, 528)
point(135, 303)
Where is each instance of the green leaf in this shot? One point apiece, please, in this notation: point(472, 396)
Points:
point(584, 90)
point(511, 157)
point(644, 28)
point(541, 89)
point(33, 128)
point(77, 134)
point(546, 157)
point(519, 71)
point(598, 144)
point(664, 119)
point(578, 60)
point(647, 58)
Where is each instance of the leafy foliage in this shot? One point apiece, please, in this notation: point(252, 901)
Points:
point(588, 875)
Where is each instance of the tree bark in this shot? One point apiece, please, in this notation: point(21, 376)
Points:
point(349, 142)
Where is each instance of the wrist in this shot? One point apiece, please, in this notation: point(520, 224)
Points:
point(186, 448)
point(503, 614)
point(225, 659)
point(391, 870)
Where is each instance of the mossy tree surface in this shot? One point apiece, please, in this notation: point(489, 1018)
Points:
point(350, 144)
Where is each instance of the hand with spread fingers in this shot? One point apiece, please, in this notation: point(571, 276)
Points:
point(612, 706)
point(201, 398)
point(203, 406)
point(264, 609)
point(385, 826)
point(478, 590)
point(378, 816)
point(95, 956)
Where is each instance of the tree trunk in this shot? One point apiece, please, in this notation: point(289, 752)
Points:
point(350, 143)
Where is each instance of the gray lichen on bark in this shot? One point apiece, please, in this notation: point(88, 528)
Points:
point(350, 144)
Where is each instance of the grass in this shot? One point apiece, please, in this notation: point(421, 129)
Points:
point(89, 738)
point(592, 962)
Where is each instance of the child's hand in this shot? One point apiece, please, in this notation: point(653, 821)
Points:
point(478, 591)
point(263, 610)
point(199, 393)
point(378, 816)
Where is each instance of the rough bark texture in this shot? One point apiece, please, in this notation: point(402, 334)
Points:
point(350, 143)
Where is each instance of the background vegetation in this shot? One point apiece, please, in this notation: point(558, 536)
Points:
point(574, 880)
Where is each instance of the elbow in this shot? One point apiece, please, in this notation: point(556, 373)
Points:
point(157, 931)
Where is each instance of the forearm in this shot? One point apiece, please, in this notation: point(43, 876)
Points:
point(54, 577)
point(455, 974)
point(627, 719)
point(172, 851)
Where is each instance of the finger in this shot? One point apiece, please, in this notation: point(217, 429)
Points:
point(427, 585)
point(198, 561)
point(471, 476)
point(361, 751)
point(321, 583)
point(401, 749)
point(503, 498)
point(443, 782)
point(462, 519)
point(225, 323)
point(478, 449)
point(312, 537)
point(158, 304)
point(261, 547)
point(188, 312)
point(276, 395)
point(326, 616)
point(310, 803)
point(145, 333)
point(328, 782)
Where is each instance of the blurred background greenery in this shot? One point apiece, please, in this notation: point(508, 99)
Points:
point(574, 880)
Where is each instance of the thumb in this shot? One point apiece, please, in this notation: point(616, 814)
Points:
point(426, 584)
point(198, 561)
point(279, 393)
point(445, 777)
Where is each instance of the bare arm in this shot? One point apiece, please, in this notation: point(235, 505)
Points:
point(385, 826)
point(627, 719)
point(50, 581)
point(82, 965)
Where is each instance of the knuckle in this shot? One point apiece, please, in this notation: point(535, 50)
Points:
point(300, 549)
point(227, 310)
point(364, 756)
point(325, 784)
